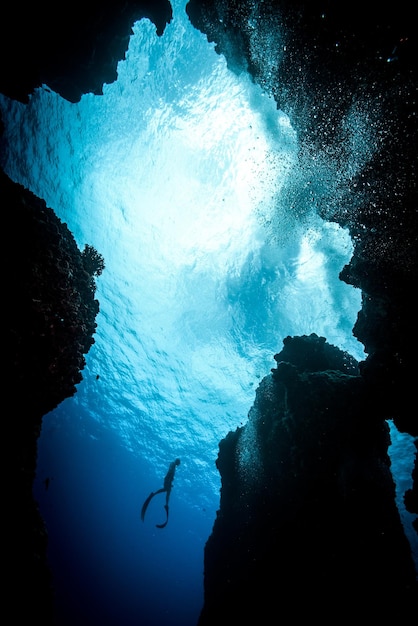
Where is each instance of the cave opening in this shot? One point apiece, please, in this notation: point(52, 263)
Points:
point(188, 180)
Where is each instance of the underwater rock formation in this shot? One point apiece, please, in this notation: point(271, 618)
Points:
point(74, 50)
point(49, 320)
point(307, 519)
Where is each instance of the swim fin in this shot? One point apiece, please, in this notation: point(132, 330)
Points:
point(145, 505)
point(148, 500)
point(165, 523)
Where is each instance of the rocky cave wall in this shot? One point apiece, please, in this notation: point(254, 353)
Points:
point(317, 495)
point(49, 317)
point(72, 49)
point(308, 526)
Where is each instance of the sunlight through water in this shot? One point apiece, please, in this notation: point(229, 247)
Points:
point(179, 175)
point(183, 176)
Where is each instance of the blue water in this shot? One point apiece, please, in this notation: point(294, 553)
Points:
point(187, 179)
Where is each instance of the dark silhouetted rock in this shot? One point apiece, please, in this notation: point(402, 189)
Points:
point(308, 525)
point(49, 312)
point(73, 49)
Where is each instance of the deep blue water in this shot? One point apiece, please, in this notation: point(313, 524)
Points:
point(187, 179)
point(109, 567)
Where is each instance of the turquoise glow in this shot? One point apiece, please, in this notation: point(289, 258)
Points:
point(183, 176)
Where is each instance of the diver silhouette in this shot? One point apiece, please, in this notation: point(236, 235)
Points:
point(168, 485)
